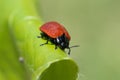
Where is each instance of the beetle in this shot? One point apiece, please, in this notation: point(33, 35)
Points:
point(57, 34)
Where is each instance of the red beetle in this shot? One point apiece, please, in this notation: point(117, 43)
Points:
point(57, 34)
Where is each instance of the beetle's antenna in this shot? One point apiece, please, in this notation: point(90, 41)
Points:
point(72, 47)
point(75, 46)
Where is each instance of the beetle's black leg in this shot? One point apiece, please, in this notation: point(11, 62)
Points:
point(69, 51)
point(38, 36)
point(41, 35)
point(55, 46)
point(44, 43)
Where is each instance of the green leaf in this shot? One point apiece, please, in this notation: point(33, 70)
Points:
point(21, 56)
point(64, 69)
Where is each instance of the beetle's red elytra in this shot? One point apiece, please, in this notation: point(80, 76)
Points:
point(54, 30)
point(56, 33)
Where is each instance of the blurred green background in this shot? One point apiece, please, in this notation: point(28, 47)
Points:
point(95, 26)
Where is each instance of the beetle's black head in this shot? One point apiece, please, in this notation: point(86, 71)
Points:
point(62, 42)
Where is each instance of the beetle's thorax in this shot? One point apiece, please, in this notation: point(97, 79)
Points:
point(62, 42)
